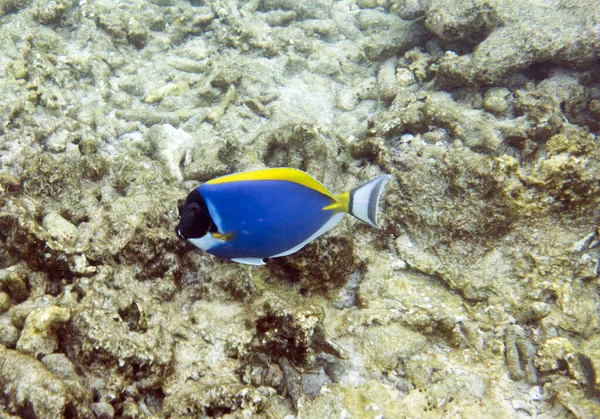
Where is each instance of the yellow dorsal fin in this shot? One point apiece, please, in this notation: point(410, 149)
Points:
point(280, 173)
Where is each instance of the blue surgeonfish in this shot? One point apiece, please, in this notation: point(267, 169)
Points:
point(269, 213)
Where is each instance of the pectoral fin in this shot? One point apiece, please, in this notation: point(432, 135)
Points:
point(225, 237)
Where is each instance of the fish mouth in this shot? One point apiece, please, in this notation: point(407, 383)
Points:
point(179, 233)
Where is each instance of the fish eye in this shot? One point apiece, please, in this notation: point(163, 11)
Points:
point(194, 208)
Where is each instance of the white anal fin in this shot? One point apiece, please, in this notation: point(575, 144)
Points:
point(249, 261)
point(364, 200)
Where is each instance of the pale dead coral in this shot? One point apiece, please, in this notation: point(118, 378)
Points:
point(30, 389)
point(39, 334)
point(536, 33)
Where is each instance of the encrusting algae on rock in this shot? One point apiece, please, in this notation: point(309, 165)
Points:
point(477, 297)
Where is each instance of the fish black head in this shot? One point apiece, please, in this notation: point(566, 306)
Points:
point(195, 219)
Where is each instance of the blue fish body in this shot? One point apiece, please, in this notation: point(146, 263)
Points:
point(266, 217)
point(249, 216)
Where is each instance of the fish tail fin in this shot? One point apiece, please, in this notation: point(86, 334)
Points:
point(363, 202)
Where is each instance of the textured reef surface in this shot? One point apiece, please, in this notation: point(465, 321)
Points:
point(479, 297)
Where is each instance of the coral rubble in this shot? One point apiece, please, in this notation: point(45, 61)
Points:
point(478, 297)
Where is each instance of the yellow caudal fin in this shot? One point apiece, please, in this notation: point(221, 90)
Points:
point(341, 203)
point(363, 202)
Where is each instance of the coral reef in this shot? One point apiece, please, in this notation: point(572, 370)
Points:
point(563, 33)
point(29, 389)
point(477, 297)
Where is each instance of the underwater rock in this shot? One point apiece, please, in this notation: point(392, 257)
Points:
point(149, 116)
point(137, 33)
point(99, 339)
point(371, 4)
point(459, 166)
point(121, 25)
point(51, 175)
point(217, 111)
point(274, 377)
point(408, 9)
point(39, 334)
point(215, 401)
point(12, 6)
point(461, 19)
point(215, 157)
point(288, 341)
point(296, 146)
point(57, 142)
point(559, 354)
point(475, 128)
point(386, 81)
point(512, 356)
point(404, 77)
point(346, 99)
point(520, 356)
point(388, 35)
point(220, 281)
point(313, 381)
point(284, 331)
point(371, 398)
point(293, 383)
point(13, 280)
point(568, 395)
point(169, 89)
point(461, 122)
point(318, 9)
point(50, 12)
point(158, 250)
point(31, 390)
point(9, 334)
point(527, 353)
point(60, 229)
point(568, 89)
point(544, 115)
point(9, 186)
point(488, 249)
point(589, 360)
point(170, 146)
point(323, 265)
point(570, 180)
point(563, 35)
point(42, 257)
point(571, 140)
point(60, 366)
point(280, 17)
point(103, 410)
point(497, 101)
point(113, 333)
point(4, 302)
point(383, 346)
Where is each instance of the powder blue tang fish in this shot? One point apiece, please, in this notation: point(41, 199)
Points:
point(269, 213)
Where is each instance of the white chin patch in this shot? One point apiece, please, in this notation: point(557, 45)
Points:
point(205, 242)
